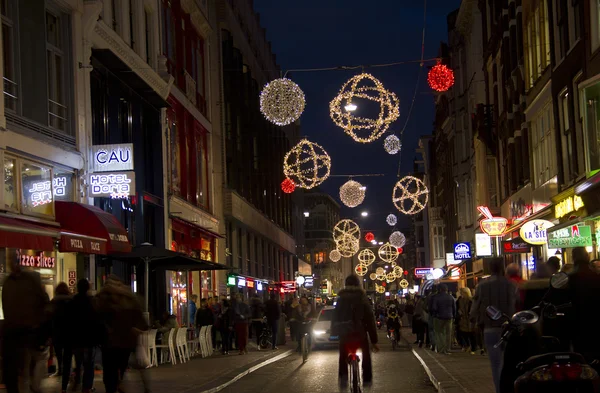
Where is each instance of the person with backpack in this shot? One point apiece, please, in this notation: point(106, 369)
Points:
point(354, 322)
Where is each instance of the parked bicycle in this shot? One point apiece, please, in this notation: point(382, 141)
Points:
point(266, 335)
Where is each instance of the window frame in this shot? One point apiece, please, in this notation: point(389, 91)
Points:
point(11, 21)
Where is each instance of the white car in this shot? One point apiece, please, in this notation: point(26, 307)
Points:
point(322, 328)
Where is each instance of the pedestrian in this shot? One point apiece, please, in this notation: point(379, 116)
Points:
point(354, 323)
point(256, 318)
point(204, 315)
point(419, 325)
point(585, 298)
point(215, 307)
point(60, 333)
point(85, 334)
point(513, 273)
point(500, 292)
point(466, 328)
point(409, 309)
point(429, 310)
point(291, 315)
point(273, 313)
point(26, 328)
point(444, 310)
point(193, 308)
point(121, 314)
point(302, 315)
point(224, 323)
point(553, 265)
point(241, 315)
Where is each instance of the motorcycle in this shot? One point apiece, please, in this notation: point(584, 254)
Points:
point(536, 363)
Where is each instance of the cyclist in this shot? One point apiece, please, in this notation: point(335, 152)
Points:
point(393, 320)
point(353, 320)
point(303, 314)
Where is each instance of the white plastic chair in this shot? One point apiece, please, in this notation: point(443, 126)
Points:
point(150, 344)
point(167, 347)
point(193, 344)
point(209, 342)
point(202, 341)
point(181, 344)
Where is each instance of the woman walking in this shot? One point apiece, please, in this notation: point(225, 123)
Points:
point(419, 322)
point(466, 329)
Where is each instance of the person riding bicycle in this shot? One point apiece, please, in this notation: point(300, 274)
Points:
point(353, 322)
point(302, 315)
point(393, 320)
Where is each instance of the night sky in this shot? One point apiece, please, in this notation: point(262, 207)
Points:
point(330, 33)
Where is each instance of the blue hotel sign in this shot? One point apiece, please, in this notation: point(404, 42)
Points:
point(462, 251)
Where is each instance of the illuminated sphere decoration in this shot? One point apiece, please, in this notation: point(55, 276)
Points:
point(362, 129)
point(392, 144)
point(440, 77)
point(288, 186)
point(282, 101)
point(366, 257)
point(373, 276)
point(352, 193)
point(379, 271)
point(346, 228)
point(388, 253)
point(347, 246)
point(397, 239)
point(410, 195)
point(335, 256)
point(398, 271)
point(390, 277)
point(307, 164)
point(381, 277)
point(391, 220)
point(403, 284)
point(369, 237)
point(361, 269)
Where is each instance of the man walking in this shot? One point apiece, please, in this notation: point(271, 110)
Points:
point(444, 310)
point(273, 313)
point(500, 292)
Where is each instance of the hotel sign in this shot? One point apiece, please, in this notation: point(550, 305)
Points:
point(112, 185)
point(112, 158)
point(568, 205)
point(462, 251)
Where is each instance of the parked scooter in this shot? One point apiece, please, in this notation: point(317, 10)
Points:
point(536, 363)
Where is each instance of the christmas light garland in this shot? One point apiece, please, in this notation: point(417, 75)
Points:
point(392, 144)
point(410, 195)
point(352, 193)
point(361, 129)
point(307, 164)
point(282, 101)
point(346, 228)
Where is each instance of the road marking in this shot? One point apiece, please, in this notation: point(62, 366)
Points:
point(250, 370)
point(432, 377)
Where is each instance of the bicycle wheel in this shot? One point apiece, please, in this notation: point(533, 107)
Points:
point(355, 373)
point(304, 349)
point(394, 344)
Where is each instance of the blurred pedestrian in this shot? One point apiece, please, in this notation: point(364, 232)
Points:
point(553, 265)
point(273, 313)
point(60, 324)
point(193, 308)
point(257, 313)
point(204, 315)
point(429, 310)
point(419, 325)
point(291, 315)
point(122, 316)
point(302, 315)
point(26, 329)
point(224, 323)
point(444, 310)
point(466, 328)
point(241, 315)
point(215, 307)
point(513, 273)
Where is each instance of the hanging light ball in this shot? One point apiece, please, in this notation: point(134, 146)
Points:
point(307, 164)
point(373, 276)
point(282, 101)
point(288, 186)
point(352, 193)
point(392, 144)
point(364, 130)
point(440, 77)
point(347, 246)
point(390, 277)
point(388, 253)
point(379, 271)
point(400, 250)
point(403, 284)
point(398, 271)
point(369, 237)
point(410, 195)
point(397, 239)
point(391, 220)
point(361, 269)
point(335, 256)
point(366, 257)
point(346, 228)
point(381, 277)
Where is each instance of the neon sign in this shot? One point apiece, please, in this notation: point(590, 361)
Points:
point(534, 231)
point(462, 251)
point(40, 193)
point(568, 205)
point(39, 261)
point(113, 185)
point(490, 225)
point(110, 158)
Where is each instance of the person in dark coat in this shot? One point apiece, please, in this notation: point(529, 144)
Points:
point(257, 312)
point(121, 313)
point(354, 322)
point(60, 327)
point(224, 323)
point(273, 313)
point(204, 315)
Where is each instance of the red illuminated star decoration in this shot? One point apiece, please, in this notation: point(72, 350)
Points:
point(288, 186)
point(440, 77)
point(369, 237)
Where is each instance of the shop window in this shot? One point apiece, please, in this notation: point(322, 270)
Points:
point(10, 184)
point(36, 185)
point(592, 125)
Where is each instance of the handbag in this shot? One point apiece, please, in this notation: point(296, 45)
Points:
point(141, 359)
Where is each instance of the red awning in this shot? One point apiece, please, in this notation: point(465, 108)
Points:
point(74, 242)
point(16, 233)
point(91, 221)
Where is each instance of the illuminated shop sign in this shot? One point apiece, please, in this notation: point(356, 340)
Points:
point(568, 205)
point(515, 246)
point(421, 272)
point(111, 158)
point(490, 225)
point(41, 192)
point(231, 281)
point(462, 251)
point(483, 245)
point(112, 185)
point(534, 231)
point(571, 236)
point(39, 261)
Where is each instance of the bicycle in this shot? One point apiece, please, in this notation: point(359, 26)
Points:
point(354, 372)
point(392, 337)
point(266, 337)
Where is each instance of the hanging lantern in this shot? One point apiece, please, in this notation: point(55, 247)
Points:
point(397, 239)
point(403, 284)
point(335, 256)
point(369, 237)
point(440, 77)
point(352, 193)
point(282, 101)
point(379, 270)
point(307, 164)
point(366, 257)
point(288, 186)
point(347, 246)
point(392, 144)
point(390, 277)
point(398, 271)
point(391, 220)
point(410, 195)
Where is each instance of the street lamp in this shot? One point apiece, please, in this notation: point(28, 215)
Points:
point(306, 214)
point(350, 107)
point(364, 214)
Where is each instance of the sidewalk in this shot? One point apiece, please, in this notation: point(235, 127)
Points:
point(459, 372)
point(197, 375)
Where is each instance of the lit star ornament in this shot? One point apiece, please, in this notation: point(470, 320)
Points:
point(397, 239)
point(335, 256)
point(410, 195)
point(361, 129)
point(307, 164)
point(288, 186)
point(440, 77)
point(391, 220)
point(282, 101)
point(352, 193)
point(392, 144)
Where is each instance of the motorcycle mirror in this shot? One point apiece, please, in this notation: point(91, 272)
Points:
point(525, 317)
point(559, 280)
point(493, 313)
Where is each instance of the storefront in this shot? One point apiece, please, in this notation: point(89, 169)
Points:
point(250, 286)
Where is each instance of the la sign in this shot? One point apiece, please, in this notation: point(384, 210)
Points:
point(534, 231)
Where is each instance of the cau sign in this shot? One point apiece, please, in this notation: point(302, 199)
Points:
point(112, 158)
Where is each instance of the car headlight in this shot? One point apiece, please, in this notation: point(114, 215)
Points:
point(319, 332)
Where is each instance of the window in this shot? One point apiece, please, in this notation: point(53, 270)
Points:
point(537, 44)
point(56, 64)
point(201, 169)
point(9, 54)
point(114, 7)
point(148, 37)
point(543, 146)
point(592, 125)
point(36, 186)
point(62, 185)
point(174, 162)
point(10, 184)
point(595, 23)
point(566, 135)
